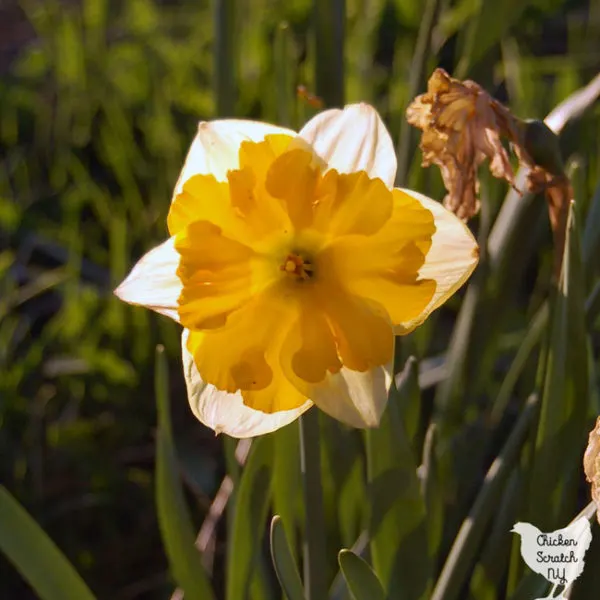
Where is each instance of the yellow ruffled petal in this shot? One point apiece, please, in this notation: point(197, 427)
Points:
point(353, 139)
point(153, 281)
point(261, 213)
point(309, 352)
point(246, 354)
point(203, 198)
point(215, 149)
point(351, 204)
point(240, 206)
point(385, 267)
point(227, 413)
point(259, 156)
point(362, 328)
point(216, 273)
point(451, 259)
point(291, 178)
point(355, 398)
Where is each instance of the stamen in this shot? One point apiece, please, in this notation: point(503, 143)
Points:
point(297, 266)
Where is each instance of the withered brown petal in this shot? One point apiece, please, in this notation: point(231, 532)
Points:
point(591, 465)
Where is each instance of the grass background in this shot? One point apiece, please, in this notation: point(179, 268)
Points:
point(99, 102)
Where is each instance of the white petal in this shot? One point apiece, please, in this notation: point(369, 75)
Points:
point(216, 145)
point(353, 139)
point(226, 413)
point(153, 281)
point(452, 258)
point(353, 397)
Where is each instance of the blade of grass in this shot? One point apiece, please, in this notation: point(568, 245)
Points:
point(491, 567)
point(36, 556)
point(174, 519)
point(430, 490)
point(397, 523)
point(468, 540)
point(530, 341)
point(565, 395)
point(250, 513)
point(591, 240)
point(284, 74)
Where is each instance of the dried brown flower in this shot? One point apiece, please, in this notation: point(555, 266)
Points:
point(591, 465)
point(463, 126)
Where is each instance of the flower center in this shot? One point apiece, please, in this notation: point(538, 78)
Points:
point(297, 267)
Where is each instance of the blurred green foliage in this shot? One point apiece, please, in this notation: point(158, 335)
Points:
point(99, 101)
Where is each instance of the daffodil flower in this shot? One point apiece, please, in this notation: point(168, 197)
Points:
point(291, 265)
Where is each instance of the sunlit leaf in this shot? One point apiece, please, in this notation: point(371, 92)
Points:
point(174, 520)
point(360, 578)
point(565, 395)
point(36, 556)
point(397, 523)
point(250, 513)
point(284, 562)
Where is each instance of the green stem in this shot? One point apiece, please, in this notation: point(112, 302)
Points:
point(224, 57)
point(284, 73)
point(314, 531)
point(329, 27)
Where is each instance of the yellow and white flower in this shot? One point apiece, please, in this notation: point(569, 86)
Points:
point(292, 263)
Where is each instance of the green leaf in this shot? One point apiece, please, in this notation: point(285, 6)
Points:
point(591, 234)
point(559, 443)
point(286, 483)
point(250, 513)
point(284, 562)
point(283, 73)
point(341, 458)
point(36, 556)
point(314, 545)
point(530, 341)
point(397, 524)
point(353, 504)
point(464, 549)
point(431, 492)
point(174, 519)
point(360, 578)
point(491, 568)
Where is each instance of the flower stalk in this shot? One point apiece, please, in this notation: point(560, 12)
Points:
point(315, 583)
